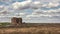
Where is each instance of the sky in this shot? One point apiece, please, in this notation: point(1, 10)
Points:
point(31, 11)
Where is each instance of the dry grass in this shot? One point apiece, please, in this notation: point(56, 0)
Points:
point(32, 30)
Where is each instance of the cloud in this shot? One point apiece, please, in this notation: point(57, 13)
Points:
point(1, 7)
point(51, 5)
point(44, 13)
point(26, 5)
point(5, 11)
point(20, 14)
point(5, 0)
point(48, 0)
point(34, 5)
point(21, 5)
point(41, 10)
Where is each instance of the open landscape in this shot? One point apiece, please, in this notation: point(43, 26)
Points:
point(29, 16)
point(31, 28)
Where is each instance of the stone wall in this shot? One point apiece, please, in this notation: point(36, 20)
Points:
point(16, 21)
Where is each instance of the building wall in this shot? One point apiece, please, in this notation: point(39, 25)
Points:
point(16, 21)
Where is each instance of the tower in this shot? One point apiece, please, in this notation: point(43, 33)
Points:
point(16, 20)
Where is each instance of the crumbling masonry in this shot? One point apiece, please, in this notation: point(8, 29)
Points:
point(16, 21)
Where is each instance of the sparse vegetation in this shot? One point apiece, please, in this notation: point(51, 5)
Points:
point(32, 29)
point(4, 24)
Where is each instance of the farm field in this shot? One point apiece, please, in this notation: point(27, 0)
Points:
point(32, 28)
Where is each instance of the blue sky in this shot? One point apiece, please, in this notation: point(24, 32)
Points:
point(32, 11)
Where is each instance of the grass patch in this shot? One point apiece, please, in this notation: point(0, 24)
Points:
point(4, 24)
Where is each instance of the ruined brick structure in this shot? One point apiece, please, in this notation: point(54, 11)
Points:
point(16, 21)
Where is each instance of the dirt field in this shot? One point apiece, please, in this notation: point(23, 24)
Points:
point(32, 29)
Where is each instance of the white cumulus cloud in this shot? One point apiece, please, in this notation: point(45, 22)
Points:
point(21, 5)
point(51, 4)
